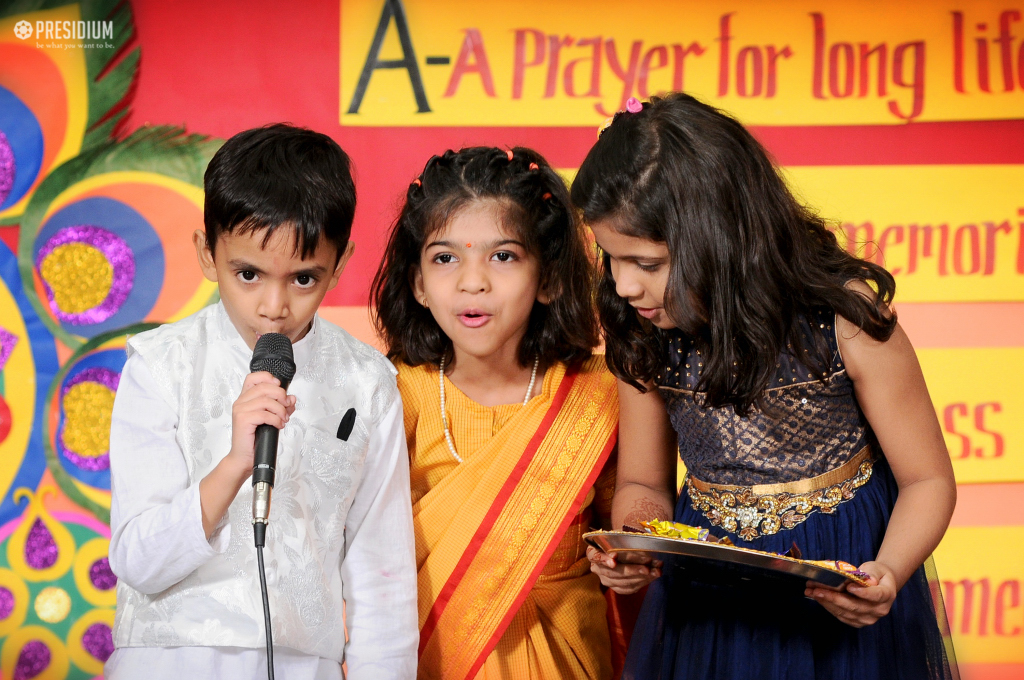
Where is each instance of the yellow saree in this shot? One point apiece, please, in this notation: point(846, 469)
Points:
point(505, 589)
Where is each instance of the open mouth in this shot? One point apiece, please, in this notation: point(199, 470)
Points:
point(474, 318)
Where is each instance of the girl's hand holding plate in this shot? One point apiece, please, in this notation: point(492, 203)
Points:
point(624, 572)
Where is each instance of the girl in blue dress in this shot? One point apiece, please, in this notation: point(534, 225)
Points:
point(749, 341)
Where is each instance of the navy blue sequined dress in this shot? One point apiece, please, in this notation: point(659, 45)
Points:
point(702, 630)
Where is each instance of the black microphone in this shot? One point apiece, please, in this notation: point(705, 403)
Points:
point(273, 353)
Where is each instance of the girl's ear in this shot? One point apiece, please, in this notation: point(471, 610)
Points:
point(416, 283)
point(545, 294)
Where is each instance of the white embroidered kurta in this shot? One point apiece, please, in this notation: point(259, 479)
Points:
point(340, 531)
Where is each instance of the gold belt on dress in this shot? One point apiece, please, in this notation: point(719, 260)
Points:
point(766, 509)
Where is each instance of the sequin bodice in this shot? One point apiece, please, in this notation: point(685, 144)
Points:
point(817, 427)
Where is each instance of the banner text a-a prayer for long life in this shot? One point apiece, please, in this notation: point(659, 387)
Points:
point(543, 62)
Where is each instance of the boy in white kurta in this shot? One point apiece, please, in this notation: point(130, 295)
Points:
point(339, 549)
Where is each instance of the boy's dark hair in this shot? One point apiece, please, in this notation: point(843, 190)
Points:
point(279, 175)
point(534, 203)
point(746, 257)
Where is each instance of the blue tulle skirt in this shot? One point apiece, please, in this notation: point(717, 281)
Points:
point(701, 630)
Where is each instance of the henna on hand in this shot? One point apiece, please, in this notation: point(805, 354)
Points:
point(645, 509)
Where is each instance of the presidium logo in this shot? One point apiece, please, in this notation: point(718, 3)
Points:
point(65, 30)
point(23, 30)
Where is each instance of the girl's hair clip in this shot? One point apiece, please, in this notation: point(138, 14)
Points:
point(546, 196)
point(533, 166)
point(633, 105)
point(417, 182)
point(509, 152)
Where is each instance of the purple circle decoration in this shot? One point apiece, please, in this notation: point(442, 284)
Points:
point(7, 342)
point(110, 380)
point(101, 576)
point(117, 253)
point(40, 548)
point(7, 168)
point(33, 660)
point(6, 603)
point(103, 376)
point(98, 641)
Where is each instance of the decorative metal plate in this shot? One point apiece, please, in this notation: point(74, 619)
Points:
point(744, 563)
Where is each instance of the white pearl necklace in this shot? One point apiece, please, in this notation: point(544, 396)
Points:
point(444, 418)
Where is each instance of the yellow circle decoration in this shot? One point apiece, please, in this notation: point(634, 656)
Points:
point(53, 604)
point(59, 664)
point(87, 409)
point(91, 552)
point(79, 276)
point(39, 533)
point(76, 650)
point(14, 583)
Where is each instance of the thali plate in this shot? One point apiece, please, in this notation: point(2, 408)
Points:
point(744, 563)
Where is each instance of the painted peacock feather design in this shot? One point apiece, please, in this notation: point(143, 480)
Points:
point(103, 252)
point(57, 100)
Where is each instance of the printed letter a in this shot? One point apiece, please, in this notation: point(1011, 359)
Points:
point(392, 9)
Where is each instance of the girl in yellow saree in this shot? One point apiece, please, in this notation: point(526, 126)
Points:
point(484, 300)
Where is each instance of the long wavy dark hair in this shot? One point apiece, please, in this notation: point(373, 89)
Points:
point(746, 258)
point(535, 206)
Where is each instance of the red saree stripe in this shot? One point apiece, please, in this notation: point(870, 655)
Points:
point(495, 510)
point(542, 562)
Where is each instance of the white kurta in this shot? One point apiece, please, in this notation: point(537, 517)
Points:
point(340, 533)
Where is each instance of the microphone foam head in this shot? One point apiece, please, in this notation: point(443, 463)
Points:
point(273, 353)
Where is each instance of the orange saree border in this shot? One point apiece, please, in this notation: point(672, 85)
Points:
point(495, 510)
point(546, 555)
point(518, 533)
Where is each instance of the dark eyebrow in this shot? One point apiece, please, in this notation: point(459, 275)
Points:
point(633, 258)
point(318, 270)
point(505, 242)
point(443, 244)
point(242, 265)
point(638, 258)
